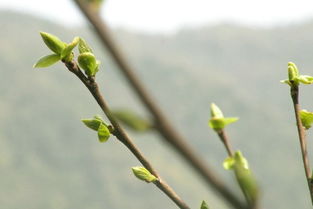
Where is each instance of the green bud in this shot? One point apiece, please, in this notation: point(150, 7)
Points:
point(293, 71)
point(67, 51)
point(204, 205)
point(306, 118)
point(47, 61)
point(87, 61)
point(218, 122)
point(83, 46)
point(53, 42)
point(143, 174)
point(132, 120)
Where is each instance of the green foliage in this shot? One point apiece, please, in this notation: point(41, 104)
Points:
point(243, 175)
point(218, 121)
point(143, 174)
point(47, 61)
point(97, 124)
point(204, 205)
point(132, 120)
point(306, 118)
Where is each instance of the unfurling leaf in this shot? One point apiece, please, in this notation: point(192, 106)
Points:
point(306, 118)
point(216, 111)
point(132, 120)
point(204, 205)
point(87, 61)
point(103, 133)
point(67, 51)
point(143, 174)
point(97, 124)
point(47, 61)
point(83, 46)
point(53, 42)
point(93, 123)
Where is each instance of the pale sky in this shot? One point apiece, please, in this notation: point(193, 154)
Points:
point(170, 15)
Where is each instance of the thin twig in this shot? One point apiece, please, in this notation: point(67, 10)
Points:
point(225, 141)
point(121, 135)
point(163, 126)
point(294, 92)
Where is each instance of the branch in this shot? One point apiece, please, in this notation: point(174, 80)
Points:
point(294, 92)
point(163, 125)
point(121, 135)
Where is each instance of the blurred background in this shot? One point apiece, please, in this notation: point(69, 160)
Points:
point(188, 54)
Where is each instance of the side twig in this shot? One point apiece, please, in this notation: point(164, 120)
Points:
point(162, 124)
point(294, 92)
point(121, 135)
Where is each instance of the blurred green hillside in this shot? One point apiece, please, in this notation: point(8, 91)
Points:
point(48, 159)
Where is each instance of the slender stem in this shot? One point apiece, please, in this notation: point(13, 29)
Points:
point(225, 141)
point(121, 135)
point(163, 126)
point(294, 92)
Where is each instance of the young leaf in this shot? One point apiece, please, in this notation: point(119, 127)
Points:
point(47, 61)
point(143, 174)
point(92, 123)
point(67, 51)
point(83, 46)
point(305, 79)
point(132, 120)
point(204, 205)
point(216, 111)
point(306, 118)
point(53, 42)
point(286, 82)
point(228, 121)
point(87, 61)
point(293, 71)
point(103, 133)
